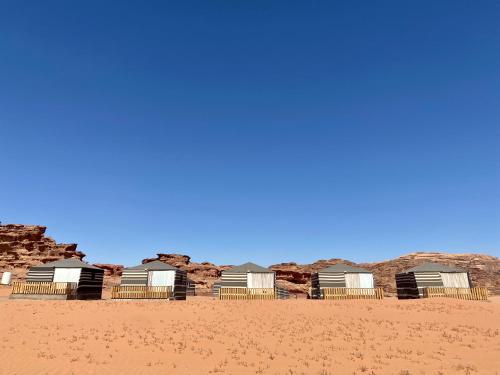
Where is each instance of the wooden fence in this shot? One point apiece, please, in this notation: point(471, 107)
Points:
point(247, 293)
point(476, 294)
point(43, 288)
point(141, 292)
point(352, 293)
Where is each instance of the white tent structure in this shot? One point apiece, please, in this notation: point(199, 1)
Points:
point(344, 278)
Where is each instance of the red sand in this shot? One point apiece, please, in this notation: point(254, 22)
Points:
point(206, 336)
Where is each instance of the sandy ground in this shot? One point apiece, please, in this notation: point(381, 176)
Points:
point(206, 336)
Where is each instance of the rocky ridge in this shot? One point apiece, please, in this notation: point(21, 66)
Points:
point(484, 269)
point(203, 275)
point(22, 246)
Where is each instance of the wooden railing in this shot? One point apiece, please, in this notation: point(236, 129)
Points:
point(352, 293)
point(477, 294)
point(141, 292)
point(43, 288)
point(226, 293)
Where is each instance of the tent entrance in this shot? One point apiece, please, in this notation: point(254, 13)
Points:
point(161, 278)
point(359, 280)
point(455, 280)
point(260, 280)
point(66, 275)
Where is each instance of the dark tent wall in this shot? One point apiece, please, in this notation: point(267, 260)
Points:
point(233, 280)
point(412, 284)
point(40, 274)
point(328, 280)
point(180, 286)
point(90, 284)
point(406, 285)
point(134, 277)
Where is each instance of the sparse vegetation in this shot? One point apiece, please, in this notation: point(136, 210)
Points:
point(257, 337)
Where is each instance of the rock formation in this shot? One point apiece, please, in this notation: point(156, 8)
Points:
point(23, 246)
point(110, 269)
point(484, 269)
point(297, 278)
point(203, 275)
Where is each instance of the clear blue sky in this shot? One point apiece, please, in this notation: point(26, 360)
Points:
point(253, 130)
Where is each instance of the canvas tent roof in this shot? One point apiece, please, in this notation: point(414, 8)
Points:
point(433, 267)
point(155, 265)
point(68, 263)
point(248, 267)
point(343, 268)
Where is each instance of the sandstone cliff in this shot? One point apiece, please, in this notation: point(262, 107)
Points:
point(22, 246)
point(484, 270)
point(110, 269)
point(203, 275)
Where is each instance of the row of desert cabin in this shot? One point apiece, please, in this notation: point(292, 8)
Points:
point(74, 279)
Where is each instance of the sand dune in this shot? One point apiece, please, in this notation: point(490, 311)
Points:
point(205, 336)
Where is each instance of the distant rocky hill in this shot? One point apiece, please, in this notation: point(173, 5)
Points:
point(22, 246)
point(484, 270)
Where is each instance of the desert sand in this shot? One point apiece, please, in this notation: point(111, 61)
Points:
point(207, 336)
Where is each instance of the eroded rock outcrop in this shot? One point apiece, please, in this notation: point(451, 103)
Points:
point(484, 270)
point(203, 275)
point(297, 277)
point(23, 246)
point(110, 269)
